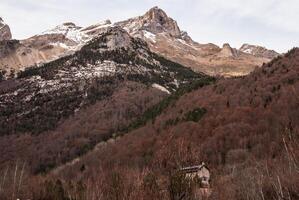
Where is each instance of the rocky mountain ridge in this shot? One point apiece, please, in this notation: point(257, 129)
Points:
point(258, 51)
point(165, 37)
point(161, 32)
point(52, 44)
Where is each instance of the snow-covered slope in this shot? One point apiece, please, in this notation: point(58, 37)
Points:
point(78, 34)
point(70, 31)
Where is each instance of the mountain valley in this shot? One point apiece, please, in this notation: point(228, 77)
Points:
point(116, 111)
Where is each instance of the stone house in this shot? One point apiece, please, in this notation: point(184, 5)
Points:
point(200, 173)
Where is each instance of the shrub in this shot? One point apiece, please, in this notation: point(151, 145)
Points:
point(53, 191)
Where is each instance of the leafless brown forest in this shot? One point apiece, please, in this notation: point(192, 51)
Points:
point(245, 129)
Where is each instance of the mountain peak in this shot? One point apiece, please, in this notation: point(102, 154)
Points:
point(154, 21)
point(226, 45)
point(63, 28)
point(157, 21)
point(227, 51)
point(5, 33)
point(156, 11)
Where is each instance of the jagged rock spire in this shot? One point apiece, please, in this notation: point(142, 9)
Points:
point(227, 51)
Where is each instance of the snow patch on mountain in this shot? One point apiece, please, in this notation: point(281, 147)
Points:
point(150, 36)
point(160, 87)
point(100, 69)
point(91, 30)
point(78, 34)
point(70, 30)
point(248, 51)
point(62, 45)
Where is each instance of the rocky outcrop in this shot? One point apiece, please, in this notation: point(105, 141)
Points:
point(154, 21)
point(157, 21)
point(227, 51)
point(7, 47)
point(5, 33)
point(258, 51)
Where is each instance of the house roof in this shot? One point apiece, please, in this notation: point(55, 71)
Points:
point(195, 168)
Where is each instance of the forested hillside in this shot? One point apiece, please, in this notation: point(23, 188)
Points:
point(53, 113)
point(245, 129)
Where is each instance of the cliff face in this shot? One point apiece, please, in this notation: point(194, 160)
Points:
point(5, 33)
point(154, 21)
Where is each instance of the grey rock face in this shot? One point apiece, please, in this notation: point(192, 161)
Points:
point(156, 21)
point(5, 33)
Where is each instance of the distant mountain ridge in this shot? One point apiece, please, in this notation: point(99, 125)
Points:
point(161, 32)
point(52, 44)
point(258, 51)
point(165, 37)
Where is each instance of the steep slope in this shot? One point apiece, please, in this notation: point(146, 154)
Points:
point(165, 37)
point(245, 129)
point(81, 99)
point(5, 33)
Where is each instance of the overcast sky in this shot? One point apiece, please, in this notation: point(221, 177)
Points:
point(270, 23)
